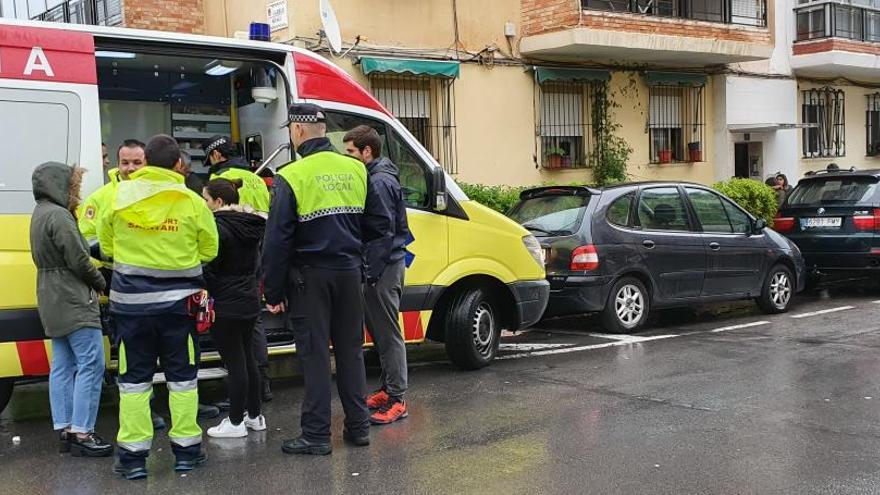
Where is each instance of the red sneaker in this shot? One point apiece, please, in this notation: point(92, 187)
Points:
point(378, 399)
point(391, 413)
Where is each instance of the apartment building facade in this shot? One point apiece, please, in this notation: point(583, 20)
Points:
point(515, 91)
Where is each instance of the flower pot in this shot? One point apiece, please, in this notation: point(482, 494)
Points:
point(554, 161)
point(664, 156)
point(695, 155)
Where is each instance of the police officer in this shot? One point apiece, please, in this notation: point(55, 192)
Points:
point(226, 162)
point(313, 240)
point(158, 234)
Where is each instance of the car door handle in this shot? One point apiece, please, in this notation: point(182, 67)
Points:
point(714, 246)
point(648, 244)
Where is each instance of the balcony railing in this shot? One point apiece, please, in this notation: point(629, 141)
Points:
point(93, 12)
point(740, 12)
point(833, 20)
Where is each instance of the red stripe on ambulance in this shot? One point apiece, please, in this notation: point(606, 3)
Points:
point(47, 55)
point(33, 358)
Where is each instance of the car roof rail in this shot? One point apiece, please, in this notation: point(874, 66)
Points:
point(813, 173)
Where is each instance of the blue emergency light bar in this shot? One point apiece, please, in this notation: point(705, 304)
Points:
point(259, 31)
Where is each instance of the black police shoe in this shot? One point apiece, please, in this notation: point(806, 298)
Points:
point(182, 466)
point(133, 473)
point(90, 446)
point(305, 447)
point(207, 412)
point(357, 440)
point(222, 405)
point(64, 442)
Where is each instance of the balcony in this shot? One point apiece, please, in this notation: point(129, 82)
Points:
point(835, 39)
point(92, 12)
point(689, 33)
point(741, 12)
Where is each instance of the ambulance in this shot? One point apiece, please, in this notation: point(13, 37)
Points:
point(66, 89)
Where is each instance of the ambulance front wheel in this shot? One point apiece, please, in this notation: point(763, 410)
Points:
point(473, 329)
point(6, 386)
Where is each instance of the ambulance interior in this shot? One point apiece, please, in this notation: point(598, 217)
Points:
point(192, 98)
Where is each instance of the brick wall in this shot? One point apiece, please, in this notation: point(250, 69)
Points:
point(182, 16)
point(542, 16)
point(835, 44)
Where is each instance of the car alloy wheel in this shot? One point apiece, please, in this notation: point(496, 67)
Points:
point(780, 289)
point(629, 304)
point(483, 328)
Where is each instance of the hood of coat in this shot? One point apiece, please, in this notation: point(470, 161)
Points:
point(383, 165)
point(147, 183)
point(57, 183)
point(243, 223)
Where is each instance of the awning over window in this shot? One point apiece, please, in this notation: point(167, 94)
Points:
point(675, 79)
point(434, 68)
point(556, 74)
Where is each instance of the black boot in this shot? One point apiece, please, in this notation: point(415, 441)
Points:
point(267, 389)
point(130, 473)
point(302, 446)
point(90, 446)
point(207, 412)
point(182, 466)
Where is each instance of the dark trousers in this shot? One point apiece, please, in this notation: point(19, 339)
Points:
point(234, 340)
point(327, 305)
point(383, 323)
point(143, 339)
point(261, 349)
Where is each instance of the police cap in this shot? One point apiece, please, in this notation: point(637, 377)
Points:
point(304, 113)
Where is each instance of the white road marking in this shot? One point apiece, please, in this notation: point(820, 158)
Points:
point(823, 312)
point(876, 302)
point(737, 327)
point(627, 339)
point(566, 350)
point(531, 347)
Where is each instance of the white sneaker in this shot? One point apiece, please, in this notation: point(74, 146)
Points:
point(256, 424)
point(228, 430)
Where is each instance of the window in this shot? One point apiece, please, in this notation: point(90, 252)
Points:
point(57, 115)
point(833, 191)
point(662, 209)
point(811, 23)
point(872, 124)
point(739, 220)
point(551, 214)
point(848, 22)
point(426, 107)
point(710, 211)
point(618, 211)
point(676, 123)
point(565, 123)
point(825, 109)
point(413, 172)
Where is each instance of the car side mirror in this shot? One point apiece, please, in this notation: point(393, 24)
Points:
point(438, 189)
point(760, 225)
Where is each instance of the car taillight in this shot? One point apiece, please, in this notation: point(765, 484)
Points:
point(584, 258)
point(867, 222)
point(783, 224)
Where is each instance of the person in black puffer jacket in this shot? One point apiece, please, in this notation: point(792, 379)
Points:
point(232, 282)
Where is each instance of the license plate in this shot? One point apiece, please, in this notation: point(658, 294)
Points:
point(821, 223)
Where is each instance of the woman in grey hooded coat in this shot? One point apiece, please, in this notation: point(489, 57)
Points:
point(67, 298)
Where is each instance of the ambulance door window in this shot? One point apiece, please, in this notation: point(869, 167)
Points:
point(37, 127)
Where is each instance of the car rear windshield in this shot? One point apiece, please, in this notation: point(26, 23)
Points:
point(834, 190)
point(552, 214)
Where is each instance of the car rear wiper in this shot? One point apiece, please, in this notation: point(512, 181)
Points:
point(545, 231)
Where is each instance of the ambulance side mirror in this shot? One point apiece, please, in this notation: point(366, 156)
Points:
point(438, 189)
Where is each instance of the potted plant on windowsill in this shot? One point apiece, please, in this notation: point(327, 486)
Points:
point(695, 151)
point(664, 156)
point(555, 157)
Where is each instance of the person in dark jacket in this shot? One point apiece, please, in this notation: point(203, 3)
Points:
point(67, 295)
point(232, 282)
point(385, 213)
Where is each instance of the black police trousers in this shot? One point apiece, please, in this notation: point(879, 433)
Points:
point(327, 306)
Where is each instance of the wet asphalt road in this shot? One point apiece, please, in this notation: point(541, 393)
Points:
point(779, 404)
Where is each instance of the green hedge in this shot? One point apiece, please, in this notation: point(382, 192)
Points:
point(499, 198)
point(755, 197)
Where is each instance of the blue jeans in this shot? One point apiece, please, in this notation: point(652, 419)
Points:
point(75, 380)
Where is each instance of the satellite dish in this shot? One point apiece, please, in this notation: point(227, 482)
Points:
point(331, 26)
